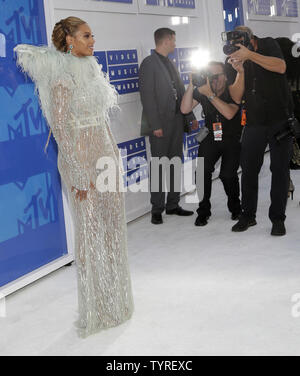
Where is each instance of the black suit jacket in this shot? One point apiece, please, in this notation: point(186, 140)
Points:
point(157, 96)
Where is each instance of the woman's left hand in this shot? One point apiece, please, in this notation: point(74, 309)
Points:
point(81, 195)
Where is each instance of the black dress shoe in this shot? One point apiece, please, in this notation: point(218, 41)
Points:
point(156, 219)
point(179, 211)
point(201, 220)
point(235, 216)
point(278, 229)
point(243, 224)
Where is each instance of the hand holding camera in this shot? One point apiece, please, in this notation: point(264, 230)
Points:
point(238, 47)
point(242, 54)
point(236, 41)
point(199, 78)
point(238, 65)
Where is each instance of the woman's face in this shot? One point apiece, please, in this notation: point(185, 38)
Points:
point(83, 41)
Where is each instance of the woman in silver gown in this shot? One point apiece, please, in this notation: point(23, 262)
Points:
point(76, 97)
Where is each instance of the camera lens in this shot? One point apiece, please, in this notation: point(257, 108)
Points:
point(230, 49)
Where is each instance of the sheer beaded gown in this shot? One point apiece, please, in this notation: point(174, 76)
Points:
point(76, 97)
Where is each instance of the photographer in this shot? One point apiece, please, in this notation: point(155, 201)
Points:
point(257, 74)
point(223, 120)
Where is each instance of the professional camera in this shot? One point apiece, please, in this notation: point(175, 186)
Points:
point(232, 38)
point(200, 77)
point(292, 129)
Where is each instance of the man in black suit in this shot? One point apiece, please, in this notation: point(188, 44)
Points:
point(161, 92)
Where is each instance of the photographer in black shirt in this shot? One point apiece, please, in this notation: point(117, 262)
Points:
point(223, 119)
point(257, 74)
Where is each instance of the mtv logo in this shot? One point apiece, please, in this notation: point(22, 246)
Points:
point(2, 306)
point(2, 45)
point(10, 75)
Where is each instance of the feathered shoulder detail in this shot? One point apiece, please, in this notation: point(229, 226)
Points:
point(82, 76)
point(45, 64)
point(38, 62)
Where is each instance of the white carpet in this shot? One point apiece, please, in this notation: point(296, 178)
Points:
point(198, 291)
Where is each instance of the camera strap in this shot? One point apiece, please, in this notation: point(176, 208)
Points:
point(254, 79)
point(289, 111)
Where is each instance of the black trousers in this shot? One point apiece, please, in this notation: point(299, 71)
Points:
point(229, 151)
point(254, 143)
point(170, 146)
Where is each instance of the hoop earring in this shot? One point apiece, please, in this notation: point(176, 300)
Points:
point(70, 49)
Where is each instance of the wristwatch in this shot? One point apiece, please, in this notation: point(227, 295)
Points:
point(211, 97)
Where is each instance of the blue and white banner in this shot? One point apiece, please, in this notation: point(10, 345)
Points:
point(32, 228)
point(134, 157)
point(273, 8)
point(233, 14)
point(260, 7)
point(117, 1)
point(188, 4)
point(191, 145)
point(123, 69)
point(181, 57)
point(287, 8)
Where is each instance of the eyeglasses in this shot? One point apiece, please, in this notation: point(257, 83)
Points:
point(215, 77)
